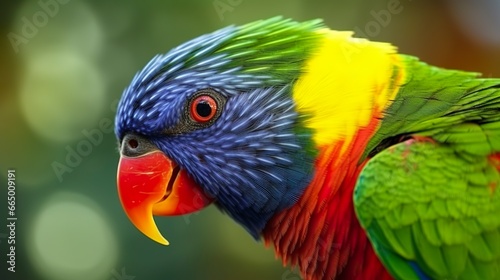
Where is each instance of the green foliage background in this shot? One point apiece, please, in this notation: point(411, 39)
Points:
point(64, 67)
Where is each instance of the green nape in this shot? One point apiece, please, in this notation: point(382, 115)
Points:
point(447, 105)
point(276, 47)
point(424, 203)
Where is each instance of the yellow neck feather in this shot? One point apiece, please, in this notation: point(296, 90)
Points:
point(346, 82)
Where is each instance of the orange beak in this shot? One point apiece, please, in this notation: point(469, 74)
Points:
point(151, 184)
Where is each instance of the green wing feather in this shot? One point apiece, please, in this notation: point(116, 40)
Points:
point(423, 202)
point(435, 204)
point(433, 100)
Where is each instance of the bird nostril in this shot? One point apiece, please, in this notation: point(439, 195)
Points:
point(134, 146)
point(132, 143)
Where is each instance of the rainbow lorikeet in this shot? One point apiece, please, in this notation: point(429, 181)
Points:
point(354, 161)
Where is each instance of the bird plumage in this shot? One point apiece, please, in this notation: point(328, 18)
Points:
point(313, 130)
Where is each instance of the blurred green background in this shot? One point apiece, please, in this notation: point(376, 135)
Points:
point(65, 63)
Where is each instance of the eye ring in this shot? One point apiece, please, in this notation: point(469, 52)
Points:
point(203, 108)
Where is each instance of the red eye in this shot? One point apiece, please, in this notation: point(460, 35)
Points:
point(203, 108)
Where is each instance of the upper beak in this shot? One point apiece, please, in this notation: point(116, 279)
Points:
point(152, 184)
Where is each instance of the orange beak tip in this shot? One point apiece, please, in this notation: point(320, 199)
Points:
point(141, 184)
point(142, 188)
point(160, 239)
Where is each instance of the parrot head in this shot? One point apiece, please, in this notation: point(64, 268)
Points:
point(214, 121)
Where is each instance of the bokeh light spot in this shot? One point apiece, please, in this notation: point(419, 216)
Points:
point(61, 94)
point(72, 25)
point(72, 240)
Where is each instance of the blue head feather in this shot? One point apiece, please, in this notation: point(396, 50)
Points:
point(254, 158)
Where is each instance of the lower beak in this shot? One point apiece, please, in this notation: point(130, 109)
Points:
point(151, 184)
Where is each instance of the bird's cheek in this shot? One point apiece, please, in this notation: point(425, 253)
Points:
point(152, 184)
point(183, 196)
